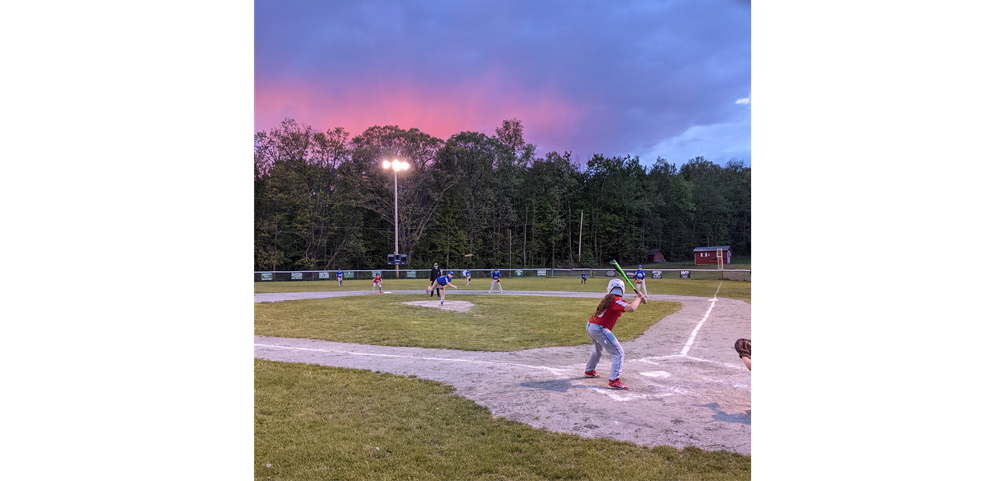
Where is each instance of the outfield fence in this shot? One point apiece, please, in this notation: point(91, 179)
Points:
point(354, 274)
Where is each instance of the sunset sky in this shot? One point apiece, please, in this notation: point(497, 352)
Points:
point(652, 79)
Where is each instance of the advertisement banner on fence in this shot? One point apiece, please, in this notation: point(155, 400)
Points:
point(541, 272)
point(658, 274)
point(296, 276)
point(518, 273)
point(322, 275)
point(267, 276)
point(348, 275)
point(685, 274)
point(609, 273)
point(412, 274)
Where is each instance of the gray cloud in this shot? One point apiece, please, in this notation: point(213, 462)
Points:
point(648, 72)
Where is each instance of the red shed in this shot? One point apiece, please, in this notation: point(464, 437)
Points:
point(709, 255)
point(654, 256)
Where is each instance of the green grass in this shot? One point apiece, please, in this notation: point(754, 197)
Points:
point(684, 287)
point(315, 422)
point(495, 323)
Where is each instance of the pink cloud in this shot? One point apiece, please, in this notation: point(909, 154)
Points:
point(479, 105)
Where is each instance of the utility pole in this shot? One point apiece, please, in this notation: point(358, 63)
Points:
point(580, 235)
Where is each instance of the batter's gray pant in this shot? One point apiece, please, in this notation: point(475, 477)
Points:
point(604, 339)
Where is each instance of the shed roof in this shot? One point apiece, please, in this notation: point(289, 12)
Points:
point(653, 251)
point(711, 249)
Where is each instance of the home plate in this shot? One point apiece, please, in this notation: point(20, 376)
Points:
point(458, 306)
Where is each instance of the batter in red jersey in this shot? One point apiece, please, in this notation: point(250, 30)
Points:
point(599, 329)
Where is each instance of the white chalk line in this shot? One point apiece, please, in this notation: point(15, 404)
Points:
point(330, 351)
point(692, 358)
point(694, 333)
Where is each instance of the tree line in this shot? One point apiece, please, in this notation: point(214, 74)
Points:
point(324, 201)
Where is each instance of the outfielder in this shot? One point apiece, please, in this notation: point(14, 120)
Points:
point(467, 276)
point(338, 275)
point(599, 329)
point(583, 277)
point(641, 279)
point(495, 277)
point(377, 282)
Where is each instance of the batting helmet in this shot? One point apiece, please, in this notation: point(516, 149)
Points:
point(615, 286)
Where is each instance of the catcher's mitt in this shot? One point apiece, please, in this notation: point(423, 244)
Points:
point(742, 346)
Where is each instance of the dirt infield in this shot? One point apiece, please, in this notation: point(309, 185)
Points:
point(687, 386)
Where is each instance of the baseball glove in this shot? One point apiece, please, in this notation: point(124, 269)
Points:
point(742, 347)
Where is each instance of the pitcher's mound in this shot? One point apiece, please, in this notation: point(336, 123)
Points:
point(458, 306)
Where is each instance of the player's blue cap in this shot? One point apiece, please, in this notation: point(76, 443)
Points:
point(450, 272)
point(640, 266)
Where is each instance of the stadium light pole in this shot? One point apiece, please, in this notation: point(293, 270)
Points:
point(395, 166)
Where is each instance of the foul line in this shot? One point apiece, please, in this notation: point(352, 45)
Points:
point(694, 333)
point(553, 369)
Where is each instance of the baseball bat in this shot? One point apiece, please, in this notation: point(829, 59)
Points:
point(618, 269)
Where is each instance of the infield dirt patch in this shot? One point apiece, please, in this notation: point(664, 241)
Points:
point(458, 306)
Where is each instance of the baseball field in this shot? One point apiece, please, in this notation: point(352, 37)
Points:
point(355, 385)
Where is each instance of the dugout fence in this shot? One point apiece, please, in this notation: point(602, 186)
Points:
point(366, 274)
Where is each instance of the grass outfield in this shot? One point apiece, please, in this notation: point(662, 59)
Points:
point(681, 287)
point(386, 321)
point(314, 422)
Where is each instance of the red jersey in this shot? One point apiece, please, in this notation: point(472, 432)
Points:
point(611, 315)
point(377, 279)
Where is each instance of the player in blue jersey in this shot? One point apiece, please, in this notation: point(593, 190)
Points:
point(495, 277)
point(641, 279)
point(338, 275)
point(441, 283)
point(583, 277)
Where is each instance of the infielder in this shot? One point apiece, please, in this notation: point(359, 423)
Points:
point(338, 275)
point(641, 279)
point(441, 283)
point(599, 329)
point(377, 282)
point(495, 277)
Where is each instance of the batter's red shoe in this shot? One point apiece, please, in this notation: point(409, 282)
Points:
point(617, 384)
point(591, 374)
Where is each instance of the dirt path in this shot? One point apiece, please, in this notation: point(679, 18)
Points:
point(687, 386)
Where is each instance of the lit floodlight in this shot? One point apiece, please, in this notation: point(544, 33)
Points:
point(386, 164)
